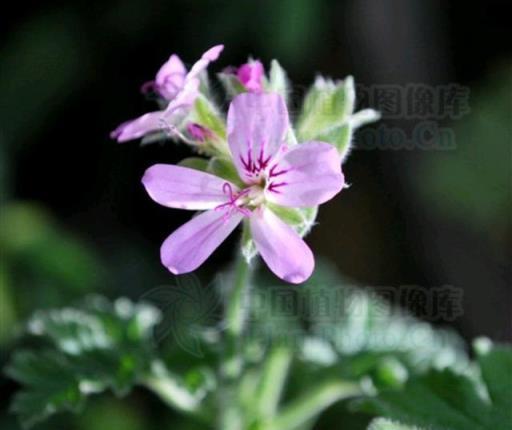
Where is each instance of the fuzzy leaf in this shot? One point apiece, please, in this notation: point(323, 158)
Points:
point(450, 401)
point(101, 346)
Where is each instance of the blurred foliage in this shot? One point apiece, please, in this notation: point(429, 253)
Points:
point(448, 400)
point(100, 346)
point(289, 371)
point(384, 424)
point(44, 264)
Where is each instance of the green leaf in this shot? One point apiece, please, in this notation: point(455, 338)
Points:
point(365, 328)
point(496, 370)
point(384, 424)
point(448, 400)
point(50, 385)
point(278, 81)
point(97, 347)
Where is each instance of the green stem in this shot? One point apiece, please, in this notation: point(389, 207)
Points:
point(230, 416)
point(310, 405)
point(273, 378)
point(237, 306)
point(171, 390)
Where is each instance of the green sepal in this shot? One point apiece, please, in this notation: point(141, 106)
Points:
point(208, 115)
point(340, 137)
point(231, 84)
point(327, 105)
point(301, 219)
point(224, 168)
point(196, 163)
point(278, 81)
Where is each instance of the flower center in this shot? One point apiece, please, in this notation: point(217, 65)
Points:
point(242, 201)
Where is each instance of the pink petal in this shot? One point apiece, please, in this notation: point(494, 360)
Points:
point(285, 253)
point(138, 127)
point(182, 103)
point(211, 55)
point(191, 244)
point(251, 76)
point(185, 188)
point(257, 126)
point(171, 77)
point(306, 175)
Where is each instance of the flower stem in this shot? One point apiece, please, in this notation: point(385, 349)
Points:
point(237, 306)
point(231, 416)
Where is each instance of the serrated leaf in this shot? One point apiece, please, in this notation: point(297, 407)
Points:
point(50, 385)
point(368, 329)
point(278, 81)
point(99, 346)
point(451, 401)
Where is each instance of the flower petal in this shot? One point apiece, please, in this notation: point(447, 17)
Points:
point(305, 176)
point(285, 253)
point(171, 77)
point(257, 126)
point(182, 103)
point(185, 188)
point(251, 76)
point(211, 55)
point(191, 244)
point(138, 127)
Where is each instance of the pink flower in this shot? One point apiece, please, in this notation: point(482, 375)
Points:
point(304, 175)
point(251, 76)
point(174, 85)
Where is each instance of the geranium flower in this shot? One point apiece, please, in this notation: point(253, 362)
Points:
point(304, 175)
point(175, 86)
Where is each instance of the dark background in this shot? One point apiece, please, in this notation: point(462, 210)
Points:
point(70, 72)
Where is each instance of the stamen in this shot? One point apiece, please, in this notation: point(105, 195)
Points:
point(231, 204)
